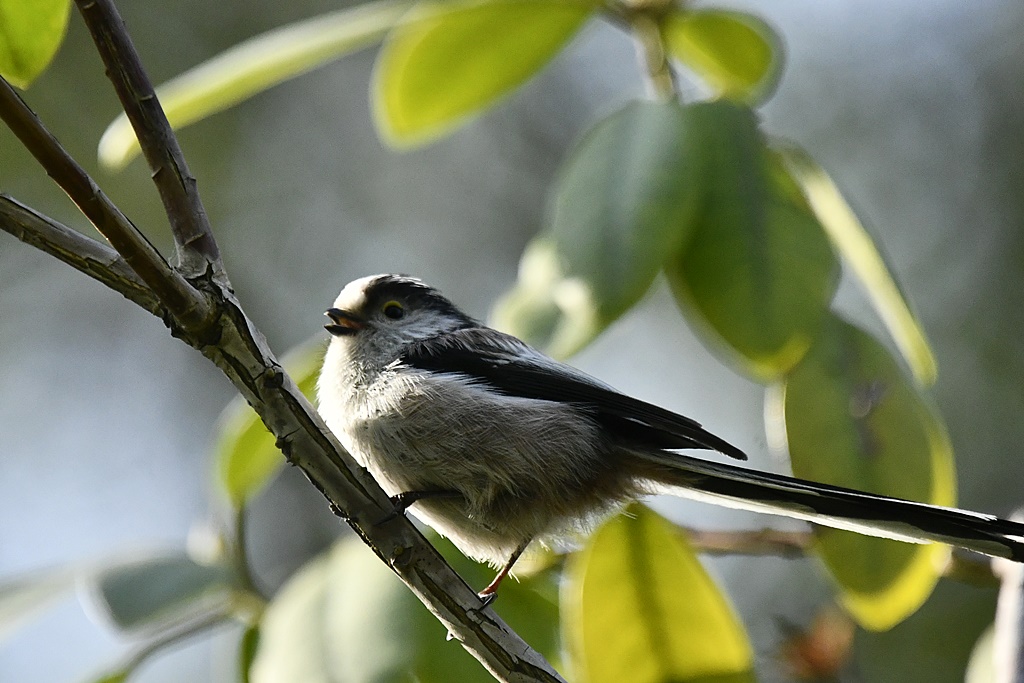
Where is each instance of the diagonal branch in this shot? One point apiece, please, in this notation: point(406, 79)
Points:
point(209, 318)
point(93, 258)
point(197, 249)
point(185, 304)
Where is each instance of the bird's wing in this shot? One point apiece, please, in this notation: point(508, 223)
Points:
point(512, 367)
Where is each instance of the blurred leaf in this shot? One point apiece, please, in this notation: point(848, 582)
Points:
point(113, 677)
point(144, 594)
point(638, 606)
point(345, 616)
point(758, 273)
point(544, 308)
point(853, 419)
point(26, 596)
point(862, 254)
point(451, 58)
point(31, 31)
point(981, 667)
point(738, 55)
point(247, 648)
point(246, 455)
point(255, 65)
point(625, 198)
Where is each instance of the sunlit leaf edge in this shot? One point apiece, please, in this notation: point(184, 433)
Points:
point(256, 65)
point(861, 251)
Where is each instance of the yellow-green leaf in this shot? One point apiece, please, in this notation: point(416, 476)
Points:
point(638, 606)
point(451, 58)
point(736, 54)
point(758, 272)
point(255, 65)
point(853, 419)
point(859, 250)
point(346, 617)
point(30, 33)
point(981, 667)
point(246, 454)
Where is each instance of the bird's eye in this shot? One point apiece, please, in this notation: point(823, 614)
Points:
point(393, 310)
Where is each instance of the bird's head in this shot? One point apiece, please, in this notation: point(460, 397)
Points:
point(386, 312)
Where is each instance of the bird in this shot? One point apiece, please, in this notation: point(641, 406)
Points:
point(495, 445)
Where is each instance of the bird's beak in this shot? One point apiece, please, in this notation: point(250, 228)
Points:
point(343, 323)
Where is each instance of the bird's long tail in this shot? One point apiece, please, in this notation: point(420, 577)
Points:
point(834, 506)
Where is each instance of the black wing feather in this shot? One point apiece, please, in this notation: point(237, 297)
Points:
point(505, 363)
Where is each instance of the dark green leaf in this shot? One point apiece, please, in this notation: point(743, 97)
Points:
point(247, 647)
point(758, 272)
point(858, 249)
point(639, 607)
point(30, 33)
point(256, 65)
point(145, 594)
point(451, 58)
point(246, 455)
point(345, 616)
point(26, 596)
point(625, 199)
point(738, 55)
point(853, 419)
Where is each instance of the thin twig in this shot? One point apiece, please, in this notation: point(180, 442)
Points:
point(174, 636)
point(759, 542)
point(197, 249)
point(82, 253)
point(180, 298)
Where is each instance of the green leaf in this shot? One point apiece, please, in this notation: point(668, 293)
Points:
point(736, 54)
point(626, 197)
point(246, 455)
point(859, 250)
point(114, 677)
point(758, 272)
point(451, 58)
point(247, 648)
point(638, 606)
point(255, 65)
point(345, 616)
point(853, 419)
point(25, 597)
point(146, 594)
point(30, 33)
point(981, 667)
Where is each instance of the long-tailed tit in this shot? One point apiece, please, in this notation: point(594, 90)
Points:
point(497, 445)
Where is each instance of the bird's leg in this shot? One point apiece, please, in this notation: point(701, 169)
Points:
point(403, 501)
point(489, 594)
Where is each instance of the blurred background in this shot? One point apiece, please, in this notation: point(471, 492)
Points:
point(916, 108)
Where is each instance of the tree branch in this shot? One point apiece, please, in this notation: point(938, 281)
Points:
point(204, 313)
point(93, 258)
point(180, 298)
point(197, 249)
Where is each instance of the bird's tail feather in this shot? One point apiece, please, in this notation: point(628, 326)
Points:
point(834, 506)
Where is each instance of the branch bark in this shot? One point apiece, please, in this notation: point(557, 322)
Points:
point(93, 258)
point(197, 248)
point(202, 310)
point(180, 298)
